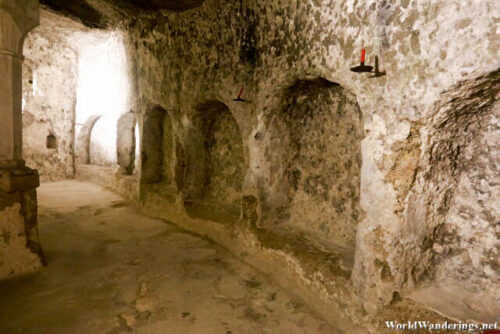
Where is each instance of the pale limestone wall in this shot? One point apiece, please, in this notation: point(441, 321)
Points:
point(209, 53)
point(20, 251)
point(182, 60)
point(49, 101)
point(451, 222)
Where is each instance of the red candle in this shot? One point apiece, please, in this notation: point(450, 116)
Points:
point(241, 92)
point(363, 53)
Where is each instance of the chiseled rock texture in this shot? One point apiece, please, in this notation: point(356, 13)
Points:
point(453, 212)
point(20, 251)
point(265, 47)
point(399, 172)
point(49, 102)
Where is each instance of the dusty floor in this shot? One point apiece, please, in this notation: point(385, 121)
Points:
point(113, 270)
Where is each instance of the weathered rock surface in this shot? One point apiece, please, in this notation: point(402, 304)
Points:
point(361, 190)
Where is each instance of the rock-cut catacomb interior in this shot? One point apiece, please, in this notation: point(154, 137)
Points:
point(249, 166)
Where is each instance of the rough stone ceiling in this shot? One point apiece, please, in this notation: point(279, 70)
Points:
point(102, 13)
point(65, 31)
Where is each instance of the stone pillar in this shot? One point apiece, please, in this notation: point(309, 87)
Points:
point(20, 251)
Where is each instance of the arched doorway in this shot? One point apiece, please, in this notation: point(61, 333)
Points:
point(83, 141)
point(126, 142)
point(317, 144)
point(157, 147)
point(215, 160)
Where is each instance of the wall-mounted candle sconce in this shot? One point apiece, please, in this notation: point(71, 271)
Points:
point(377, 73)
point(362, 68)
point(239, 99)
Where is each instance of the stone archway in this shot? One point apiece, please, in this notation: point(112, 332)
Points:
point(157, 147)
point(83, 141)
point(215, 162)
point(316, 143)
point(126, 142)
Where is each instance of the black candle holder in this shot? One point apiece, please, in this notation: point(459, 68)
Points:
point(377, 73)
point(239, 99)
point(362, 68)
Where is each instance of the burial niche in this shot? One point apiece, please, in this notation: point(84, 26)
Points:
point(83, 141)
point(51, 142)
point(126, 142)
point(157, 147)
point(103, 142)
point(321, 159)
point(216, 164)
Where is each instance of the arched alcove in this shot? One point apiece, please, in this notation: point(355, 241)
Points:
point(452, 213)
point(51, 142)
point(126, 142)
point(157, 147)
point(83, 141)
point(316, 160)
point(215, 163)
point(103, 140)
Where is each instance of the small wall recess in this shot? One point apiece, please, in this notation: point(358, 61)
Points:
point(51, 142)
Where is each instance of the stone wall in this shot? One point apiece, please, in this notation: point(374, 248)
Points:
point(330, 165)
point(49, 100)
point(20, 251)
point(265, 47)
point(452, 213)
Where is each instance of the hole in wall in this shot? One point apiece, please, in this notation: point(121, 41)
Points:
point(217, 177)
point(126, 142)
point(321, 150)
point(51, 142)
point(157, 147)
point(83, 141)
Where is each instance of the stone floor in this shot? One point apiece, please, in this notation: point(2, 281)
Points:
point(113, 270)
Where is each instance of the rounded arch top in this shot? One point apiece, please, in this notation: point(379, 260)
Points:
point(83, 141)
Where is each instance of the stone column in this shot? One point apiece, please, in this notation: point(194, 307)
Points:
point(20, 250)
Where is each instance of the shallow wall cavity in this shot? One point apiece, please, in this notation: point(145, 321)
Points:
point(126, 142)
point(453, 210)
point(218, 147)
point(317, 142)
point(157, 147)
point(83, 141)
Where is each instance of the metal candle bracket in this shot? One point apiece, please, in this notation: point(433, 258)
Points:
point(239, 99)
point(362, 68)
